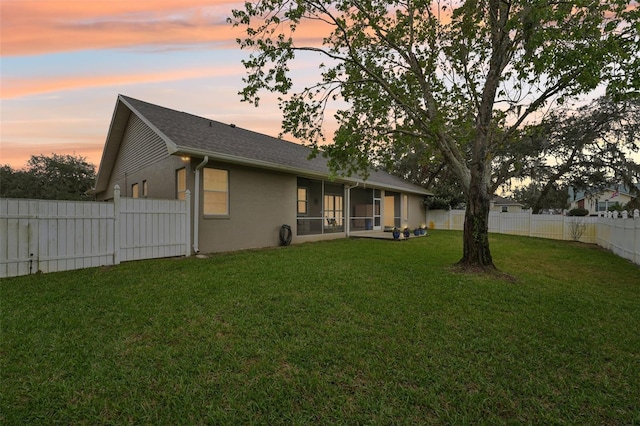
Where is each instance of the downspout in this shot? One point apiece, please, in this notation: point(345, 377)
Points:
point(348, 208)
point(196, 204)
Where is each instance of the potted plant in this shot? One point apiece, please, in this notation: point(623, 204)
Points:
point(406, 232)
point(417, 231)
point(396, 233)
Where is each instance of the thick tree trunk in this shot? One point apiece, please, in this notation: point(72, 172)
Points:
point(476, 254)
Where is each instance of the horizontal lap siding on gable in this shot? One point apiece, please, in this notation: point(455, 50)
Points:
point(140, 148)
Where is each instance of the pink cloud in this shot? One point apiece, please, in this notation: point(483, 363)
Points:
point(30, 27)
point(17, 87)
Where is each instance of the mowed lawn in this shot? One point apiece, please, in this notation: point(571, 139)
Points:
point(341, 332)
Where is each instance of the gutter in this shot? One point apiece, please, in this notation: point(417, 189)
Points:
point(196, 204)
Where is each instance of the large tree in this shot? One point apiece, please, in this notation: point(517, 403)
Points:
point(462, 76)
point(587, 148)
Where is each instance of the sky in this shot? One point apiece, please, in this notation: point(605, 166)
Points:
point(64, 62)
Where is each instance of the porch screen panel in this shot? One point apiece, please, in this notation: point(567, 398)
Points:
point(320, 207)
point(361, 209)
point(309, 218)
point(392, 209)
point(333, 207)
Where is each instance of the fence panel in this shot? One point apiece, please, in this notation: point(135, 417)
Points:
point(621, 236)
point(152, 228)
point(19, 237)
point(513, 223)
point(50, 235)
point(547, 226)
point(636, 257)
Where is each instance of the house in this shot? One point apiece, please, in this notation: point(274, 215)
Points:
point(244, 185)
point(504, 205)
point(600, 200)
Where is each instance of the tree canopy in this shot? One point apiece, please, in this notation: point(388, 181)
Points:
point(463, 77)
point(589, 148)
point(55, 177)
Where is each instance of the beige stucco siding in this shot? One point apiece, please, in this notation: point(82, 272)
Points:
point(417, 211)
point(260, 202)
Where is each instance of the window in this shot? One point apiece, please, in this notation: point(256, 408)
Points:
point(145, 189)
point(505, 209)
point(302, 200)
point(134, 190)
point(216, 192)
point(181, 184)
point(604, 206)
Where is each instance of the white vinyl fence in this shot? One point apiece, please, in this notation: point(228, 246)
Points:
point(49, 236)
point(619, 234)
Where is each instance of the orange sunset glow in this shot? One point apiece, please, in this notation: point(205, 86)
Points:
point(64, 63)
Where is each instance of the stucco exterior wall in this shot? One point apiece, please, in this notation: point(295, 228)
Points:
point(417, 211)
point(260, 202)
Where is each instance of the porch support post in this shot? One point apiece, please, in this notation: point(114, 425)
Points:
point(348, 208)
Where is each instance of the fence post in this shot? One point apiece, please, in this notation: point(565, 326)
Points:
point(187, 247)
point(116, 225)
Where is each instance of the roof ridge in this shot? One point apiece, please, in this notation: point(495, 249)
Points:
point(193, 134)
point(232, 125)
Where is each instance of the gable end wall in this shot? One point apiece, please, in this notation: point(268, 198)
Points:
point(140, 148)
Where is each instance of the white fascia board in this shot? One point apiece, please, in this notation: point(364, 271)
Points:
point(234, 159)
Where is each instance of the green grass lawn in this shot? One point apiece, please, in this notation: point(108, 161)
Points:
point(347, 331)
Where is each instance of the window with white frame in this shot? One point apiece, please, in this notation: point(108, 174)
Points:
point(215, 187)
point(181, 184)
point(303, 200)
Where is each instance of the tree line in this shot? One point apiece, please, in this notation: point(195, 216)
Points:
point(55, 177)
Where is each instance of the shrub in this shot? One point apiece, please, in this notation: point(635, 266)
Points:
point(578, 212)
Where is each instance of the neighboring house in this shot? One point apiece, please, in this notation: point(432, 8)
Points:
point(244, 185)
point(600, 200)
point(504, 205)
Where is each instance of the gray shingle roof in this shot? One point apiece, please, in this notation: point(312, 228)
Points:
point(501, 201)
point(199, 136)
